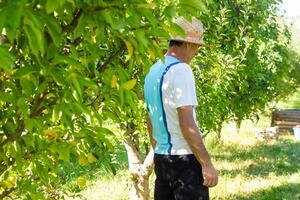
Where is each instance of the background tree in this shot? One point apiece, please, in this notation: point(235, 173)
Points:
point(248, 65)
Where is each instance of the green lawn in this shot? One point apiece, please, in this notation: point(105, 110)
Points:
point(248, 169)
point(256, 170)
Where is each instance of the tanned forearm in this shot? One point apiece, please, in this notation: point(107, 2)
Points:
point(192, 136)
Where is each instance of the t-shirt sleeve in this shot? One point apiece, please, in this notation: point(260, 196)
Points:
point(184, 89)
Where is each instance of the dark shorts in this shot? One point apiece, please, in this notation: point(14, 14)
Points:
point(178, 177)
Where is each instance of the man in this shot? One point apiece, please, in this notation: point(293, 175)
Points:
point(182, 165)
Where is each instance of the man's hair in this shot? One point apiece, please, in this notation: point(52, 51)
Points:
point(175, 43)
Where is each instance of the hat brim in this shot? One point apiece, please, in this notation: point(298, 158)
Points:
point(190, 40)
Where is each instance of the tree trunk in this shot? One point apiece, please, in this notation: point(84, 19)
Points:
point(237, 126)
point(139, 171)
point(218, 131)
point(219, 128)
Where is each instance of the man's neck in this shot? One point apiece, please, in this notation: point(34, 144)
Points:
point(177, 54)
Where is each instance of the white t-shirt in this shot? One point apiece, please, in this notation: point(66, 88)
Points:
point(169, 85)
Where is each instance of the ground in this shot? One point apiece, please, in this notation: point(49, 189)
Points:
point(248, 169)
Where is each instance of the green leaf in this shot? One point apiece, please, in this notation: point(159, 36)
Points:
point(51, 51)
point(22, 71)
point(121, 97)
point(9, 128)
point(87, 82)
point(56, 113)
point(64, 152)
point(83, 21)
point(27, 86)
point(191, 7)
point(57, 75)
point(7, 60)
point(36, 195)
point(34, 31)
point(29, 140)
point(52, 5)
point(23, 107)
point(30, 124)
point(42, 172)
point(130, 101)
point(42, 87)
point(2, 19)
point(13, 12)
point(170, 11)
point(67, 60)
point(78, 87)
point(66, 116)
point(140, 35)
point(4, 158)
point(81, 109)
point(18, 155)
point(101, 134)
point(6, 97)
point(54, 29)
point(111, 115)
point(32, 42)
point(100, 25)
point(108, 17)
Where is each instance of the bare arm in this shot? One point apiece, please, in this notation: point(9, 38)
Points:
point(149, 127)
point(191, 133)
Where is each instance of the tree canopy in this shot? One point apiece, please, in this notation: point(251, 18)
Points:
point(250, 64)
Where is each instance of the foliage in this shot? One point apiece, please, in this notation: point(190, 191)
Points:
point(247, 65)
point(293, 22)
point(64, 72)
point(290, 102)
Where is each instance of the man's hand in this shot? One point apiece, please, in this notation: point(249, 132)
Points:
point(210, 175)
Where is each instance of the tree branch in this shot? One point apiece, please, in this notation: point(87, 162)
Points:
point(38, 102)
point(148, 164)
point(140, 27)
point(21, 123)
point(14, 136)
point(109, 60)
point(94, 100)
point(77, 14)
point(70, 27)
point(100, 8)
point(134, 158)
point(6, 193)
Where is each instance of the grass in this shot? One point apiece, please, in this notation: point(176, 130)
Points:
point(257, 170)
point(248, 169)
point(107, 187)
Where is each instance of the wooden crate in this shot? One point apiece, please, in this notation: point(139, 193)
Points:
point(286, 119)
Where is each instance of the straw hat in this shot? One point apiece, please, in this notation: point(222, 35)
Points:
point(193, 31)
